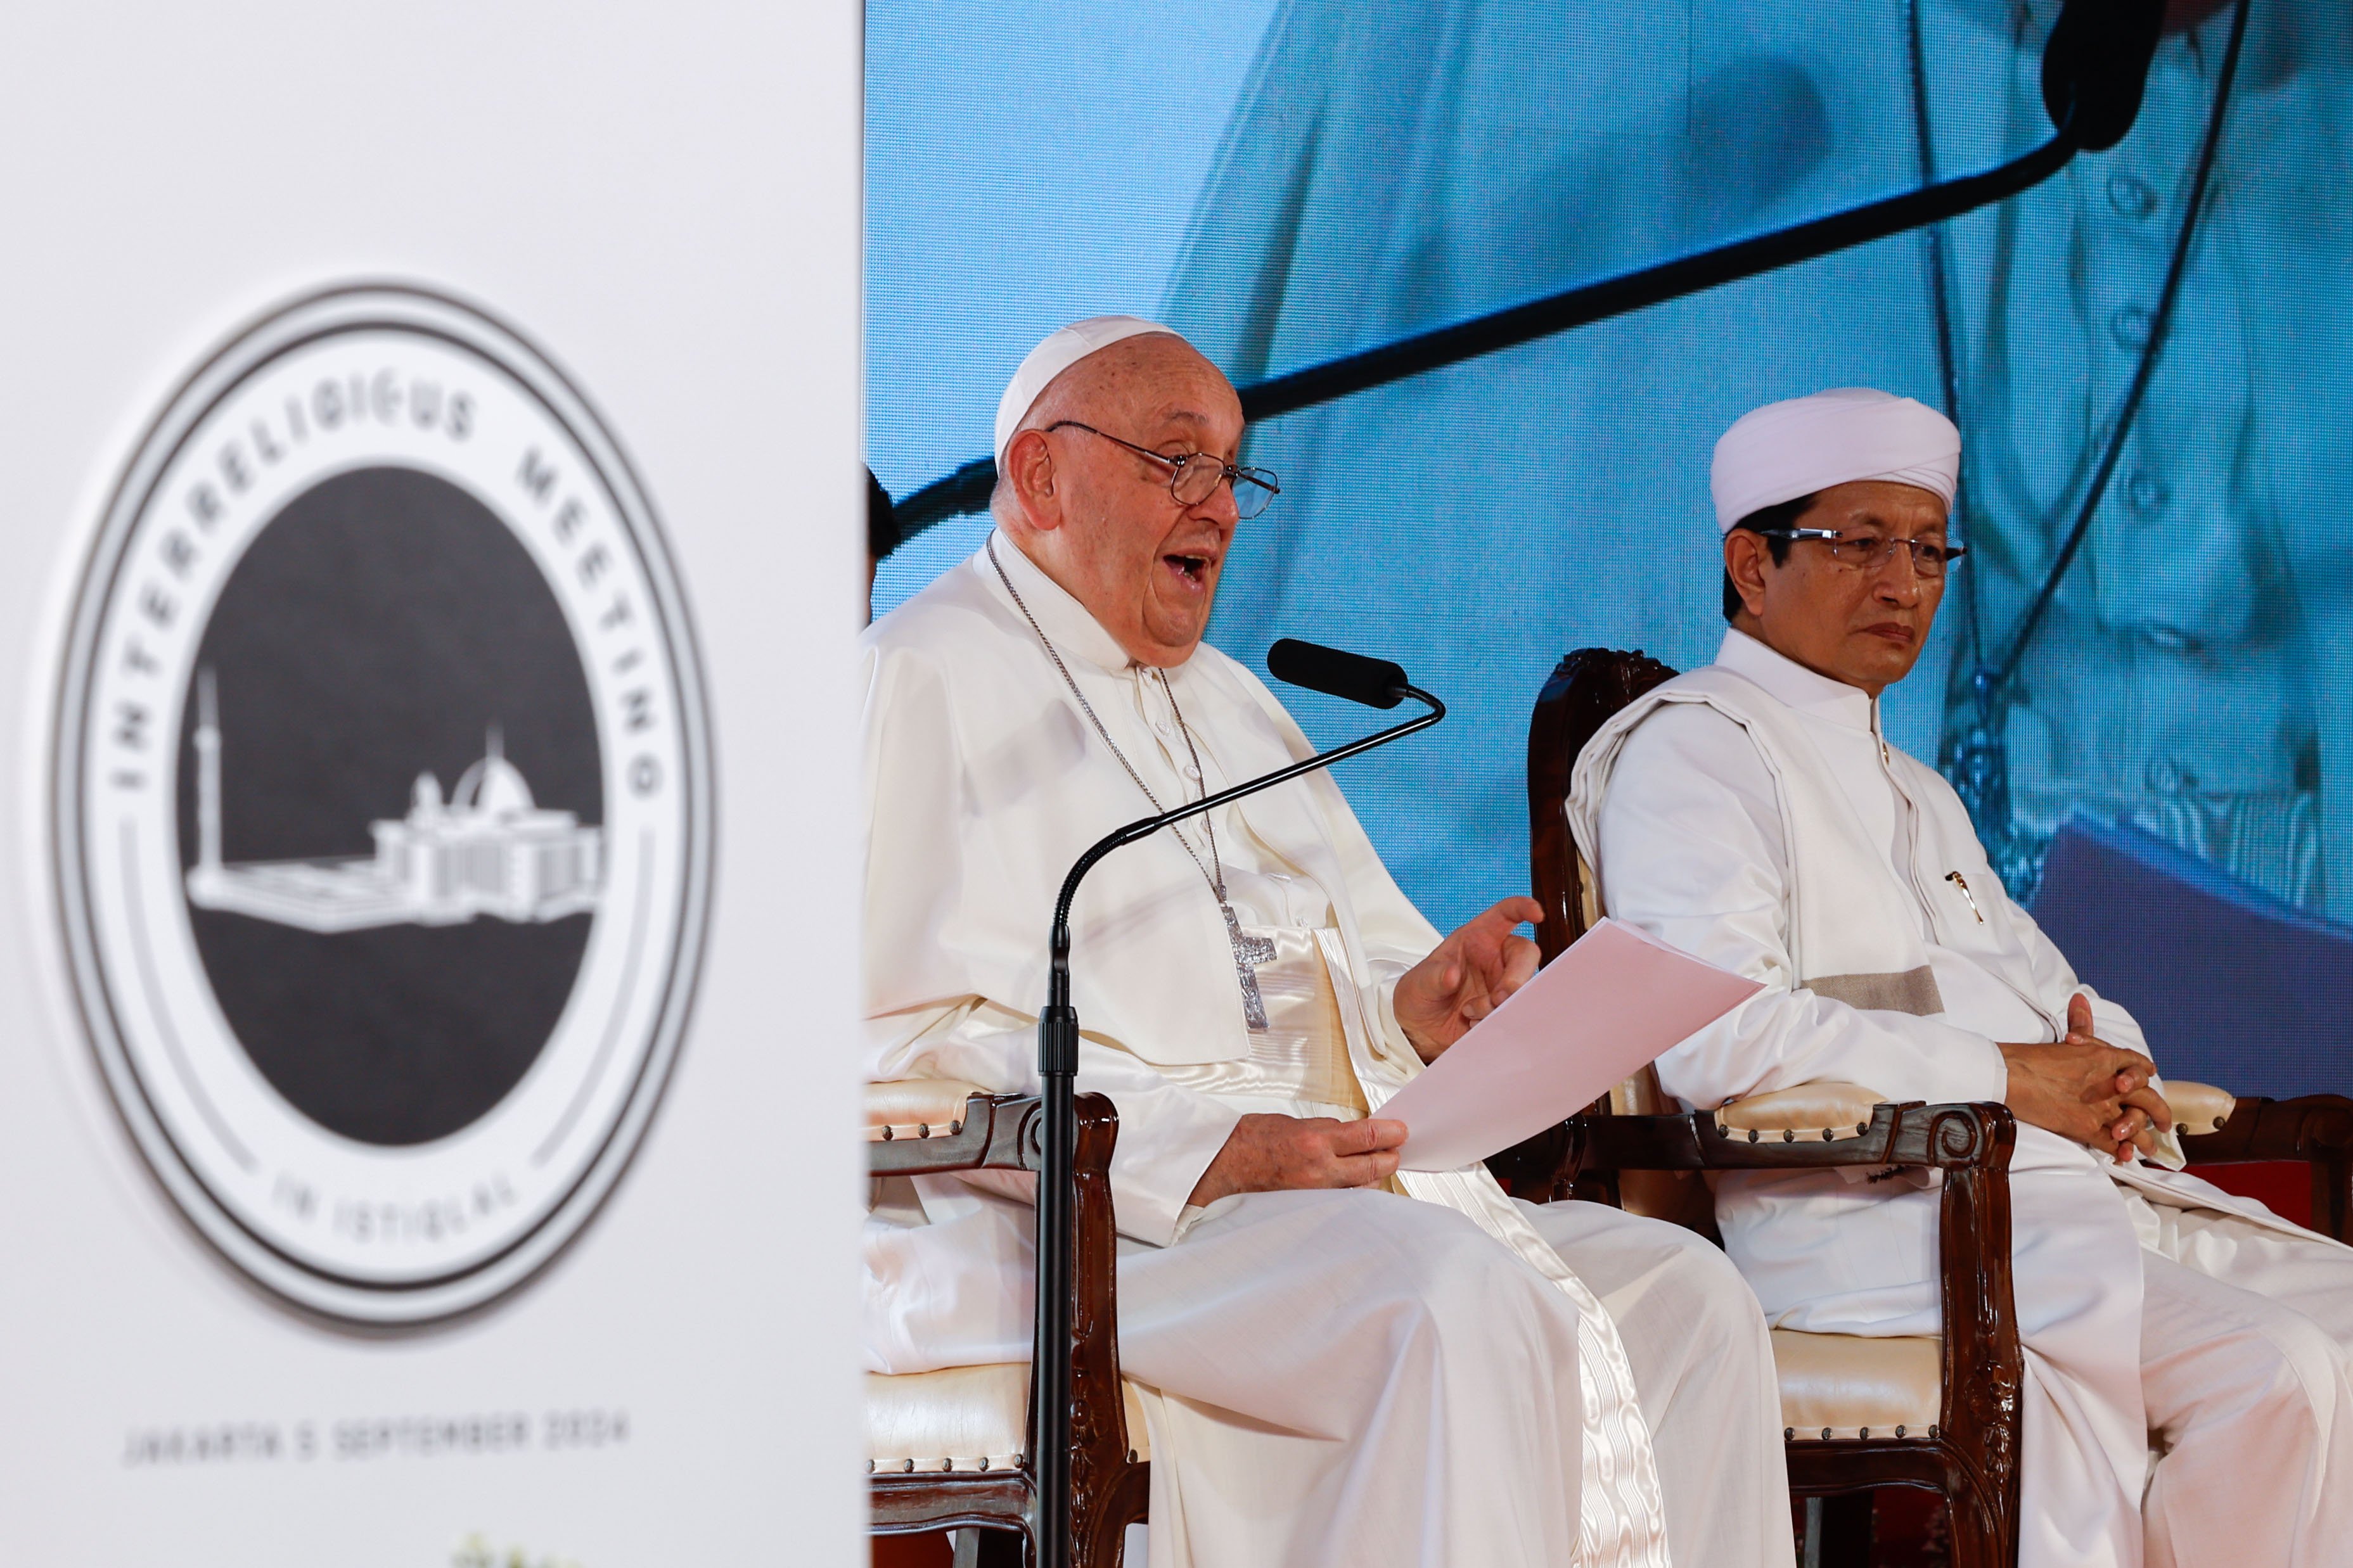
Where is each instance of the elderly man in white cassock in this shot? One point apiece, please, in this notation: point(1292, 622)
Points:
point(1345, 1364)
point(2187, 1398)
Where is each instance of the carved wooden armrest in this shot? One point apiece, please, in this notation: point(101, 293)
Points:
point(2313, 1128)
point(1938, 1137)
point(924, 1127)
point(1809, 1114)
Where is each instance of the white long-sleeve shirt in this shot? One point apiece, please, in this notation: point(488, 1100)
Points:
point(1692, 851)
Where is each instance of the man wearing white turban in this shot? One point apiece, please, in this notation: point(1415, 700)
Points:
point(1342, 1364)
point(2187, 1398)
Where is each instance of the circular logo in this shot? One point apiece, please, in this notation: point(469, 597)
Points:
point(381, 805)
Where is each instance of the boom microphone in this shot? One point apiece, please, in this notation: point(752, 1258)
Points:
point(1375, 682)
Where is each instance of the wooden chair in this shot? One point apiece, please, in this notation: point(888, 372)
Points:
point(946, 1449)
point(1940, 1414)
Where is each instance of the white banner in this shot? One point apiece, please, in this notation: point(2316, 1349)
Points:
point(435, 513)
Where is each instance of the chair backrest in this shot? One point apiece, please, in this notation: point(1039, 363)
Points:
point(1588, 689)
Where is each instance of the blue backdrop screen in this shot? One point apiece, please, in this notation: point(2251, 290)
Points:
point(2166, 780)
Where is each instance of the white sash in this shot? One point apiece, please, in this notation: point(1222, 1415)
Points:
point(1621, 1519)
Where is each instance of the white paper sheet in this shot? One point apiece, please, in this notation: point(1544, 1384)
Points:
point(1615, 1001)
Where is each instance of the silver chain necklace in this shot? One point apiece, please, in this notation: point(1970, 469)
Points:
point(1249, 950)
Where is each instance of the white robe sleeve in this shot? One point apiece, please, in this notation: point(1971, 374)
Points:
point(1691, 853)
point(928, 1014)
point(2055, 980)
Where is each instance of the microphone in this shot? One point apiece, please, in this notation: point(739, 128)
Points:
point(2095, 67)
point(1377, 683)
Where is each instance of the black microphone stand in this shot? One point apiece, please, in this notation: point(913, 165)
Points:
point(1058, 1066)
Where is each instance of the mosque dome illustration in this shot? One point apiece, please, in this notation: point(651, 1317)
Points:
point(492, 787)
point(488, 849)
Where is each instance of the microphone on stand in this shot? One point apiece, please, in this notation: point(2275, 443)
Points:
point(1377, 683)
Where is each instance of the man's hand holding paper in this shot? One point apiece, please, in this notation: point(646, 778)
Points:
point(1440, 1000)
point(1611, 1004)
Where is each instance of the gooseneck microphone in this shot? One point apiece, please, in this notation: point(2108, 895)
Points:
point(1377, 683)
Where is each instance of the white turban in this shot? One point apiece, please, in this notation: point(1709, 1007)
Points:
point(1060, 350)
point(1785, 450)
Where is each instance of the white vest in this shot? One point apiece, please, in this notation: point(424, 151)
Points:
point(1854, 927)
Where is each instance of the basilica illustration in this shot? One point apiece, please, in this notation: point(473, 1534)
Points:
point(487, 849)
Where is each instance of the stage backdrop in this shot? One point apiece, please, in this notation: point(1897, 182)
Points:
point(425, 1104)
point(2163, 771)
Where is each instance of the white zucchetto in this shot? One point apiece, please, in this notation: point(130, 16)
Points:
point(1788, 450)
point(1062, 349)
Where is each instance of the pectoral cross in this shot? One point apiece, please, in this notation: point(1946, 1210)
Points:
point(1248, 950)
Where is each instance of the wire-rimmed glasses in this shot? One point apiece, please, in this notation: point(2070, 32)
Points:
point(1194, 478)
point(1870, 551)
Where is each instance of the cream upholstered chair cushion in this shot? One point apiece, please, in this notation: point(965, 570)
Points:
point(962, 1418)
point(2197, 1107)
point(1808, 1112)
point(916, 1108)
point(1843, 1385)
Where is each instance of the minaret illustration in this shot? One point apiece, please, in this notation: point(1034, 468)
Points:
point(489, 849)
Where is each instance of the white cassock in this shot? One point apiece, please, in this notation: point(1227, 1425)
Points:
point(1751, 812)
point(1355, 1377)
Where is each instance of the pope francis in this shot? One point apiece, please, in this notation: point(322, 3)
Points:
point(2187, 1398)
point(1345, 1364)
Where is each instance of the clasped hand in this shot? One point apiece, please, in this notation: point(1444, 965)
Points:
point(2086, 1090)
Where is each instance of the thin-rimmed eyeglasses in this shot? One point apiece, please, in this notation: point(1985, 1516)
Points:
point(1870, 552)
point(1194, 476)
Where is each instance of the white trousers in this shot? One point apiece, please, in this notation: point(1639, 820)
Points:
point(2213, 1423)
point(2150, 1325)
point(1351, 1378)
point(2246, 1353)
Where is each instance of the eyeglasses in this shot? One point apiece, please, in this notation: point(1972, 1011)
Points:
point(1195, 476)
point(1869, 553)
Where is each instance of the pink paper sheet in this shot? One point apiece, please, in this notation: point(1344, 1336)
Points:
point(1615, 1000)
